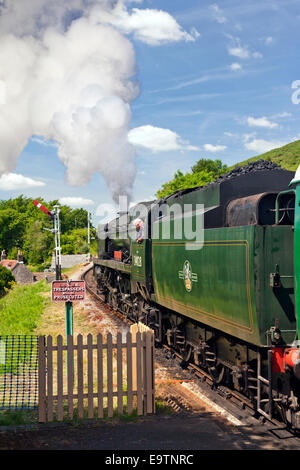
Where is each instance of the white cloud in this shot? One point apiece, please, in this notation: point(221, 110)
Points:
point(262, 146)
point(218, 14)
point(242, 51)
point(282, 115)
point(158, 139)
point(153, 27)
point(231, 134)
point(15, 181)
point(214, 148)
point(247, 137)
point(261, 122)
point(269, 40)
point(194, 33)
point(235, 66)
point(76, 201)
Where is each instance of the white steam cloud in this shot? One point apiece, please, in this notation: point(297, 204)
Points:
point(67, 75)
point(67, 78)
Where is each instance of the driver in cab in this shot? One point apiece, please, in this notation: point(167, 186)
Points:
point(139, 226)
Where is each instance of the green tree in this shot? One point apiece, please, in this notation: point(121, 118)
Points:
point(6, 280)
point(72, 218)
point(22, 227)
point(38, 244)
point(211, 166)
point(12, 229)
point(77, 239)
point(203, 172)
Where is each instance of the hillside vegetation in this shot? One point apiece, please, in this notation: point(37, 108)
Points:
point(287, 157)
point(206, 171)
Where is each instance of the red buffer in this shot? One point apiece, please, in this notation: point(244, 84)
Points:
point(43, 208)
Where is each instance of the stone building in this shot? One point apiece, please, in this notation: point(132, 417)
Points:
point(21, 273)
point(69, 261)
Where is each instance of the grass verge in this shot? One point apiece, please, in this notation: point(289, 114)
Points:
point(22, 308)
point(19, 418)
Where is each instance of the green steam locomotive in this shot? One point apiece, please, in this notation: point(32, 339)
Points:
point(227, 300)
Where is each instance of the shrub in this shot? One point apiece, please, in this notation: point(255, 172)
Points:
point(6, 280)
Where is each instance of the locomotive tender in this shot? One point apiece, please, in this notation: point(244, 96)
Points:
point(231, 307)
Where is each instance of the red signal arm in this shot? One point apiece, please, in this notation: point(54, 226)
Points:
point(44, 209)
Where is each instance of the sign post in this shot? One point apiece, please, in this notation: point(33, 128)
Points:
point(69, 319)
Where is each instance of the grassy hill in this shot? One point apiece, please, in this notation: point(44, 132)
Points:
point(206, 171)
point(287, 156)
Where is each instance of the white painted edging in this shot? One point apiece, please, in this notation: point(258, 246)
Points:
point(191, 387)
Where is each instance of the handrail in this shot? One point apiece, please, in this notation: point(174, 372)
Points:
point(288, 191)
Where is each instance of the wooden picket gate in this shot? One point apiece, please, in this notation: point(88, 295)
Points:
point(118, 376)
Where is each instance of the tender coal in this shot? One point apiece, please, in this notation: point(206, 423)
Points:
point(251, 167)
point(259, 165)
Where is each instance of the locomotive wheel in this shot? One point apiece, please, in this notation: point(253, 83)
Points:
point(186, 357)
point(112, 300)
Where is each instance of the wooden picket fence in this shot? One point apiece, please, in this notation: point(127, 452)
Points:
point(117, 377)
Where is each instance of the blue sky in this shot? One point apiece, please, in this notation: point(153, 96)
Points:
point(222, 90)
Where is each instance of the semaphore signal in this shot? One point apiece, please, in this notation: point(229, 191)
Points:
point(44, 209)
point(54, 215)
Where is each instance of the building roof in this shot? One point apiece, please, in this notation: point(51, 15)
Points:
point(9, 263)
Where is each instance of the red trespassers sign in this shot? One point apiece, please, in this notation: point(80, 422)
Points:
point(68, 291)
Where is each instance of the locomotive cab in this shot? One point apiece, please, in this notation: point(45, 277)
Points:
point(291, 200)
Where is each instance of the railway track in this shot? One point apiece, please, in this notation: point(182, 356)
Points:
point(229, 399)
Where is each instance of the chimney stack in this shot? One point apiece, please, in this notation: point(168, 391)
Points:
point(20, 257)
point(3, 255)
